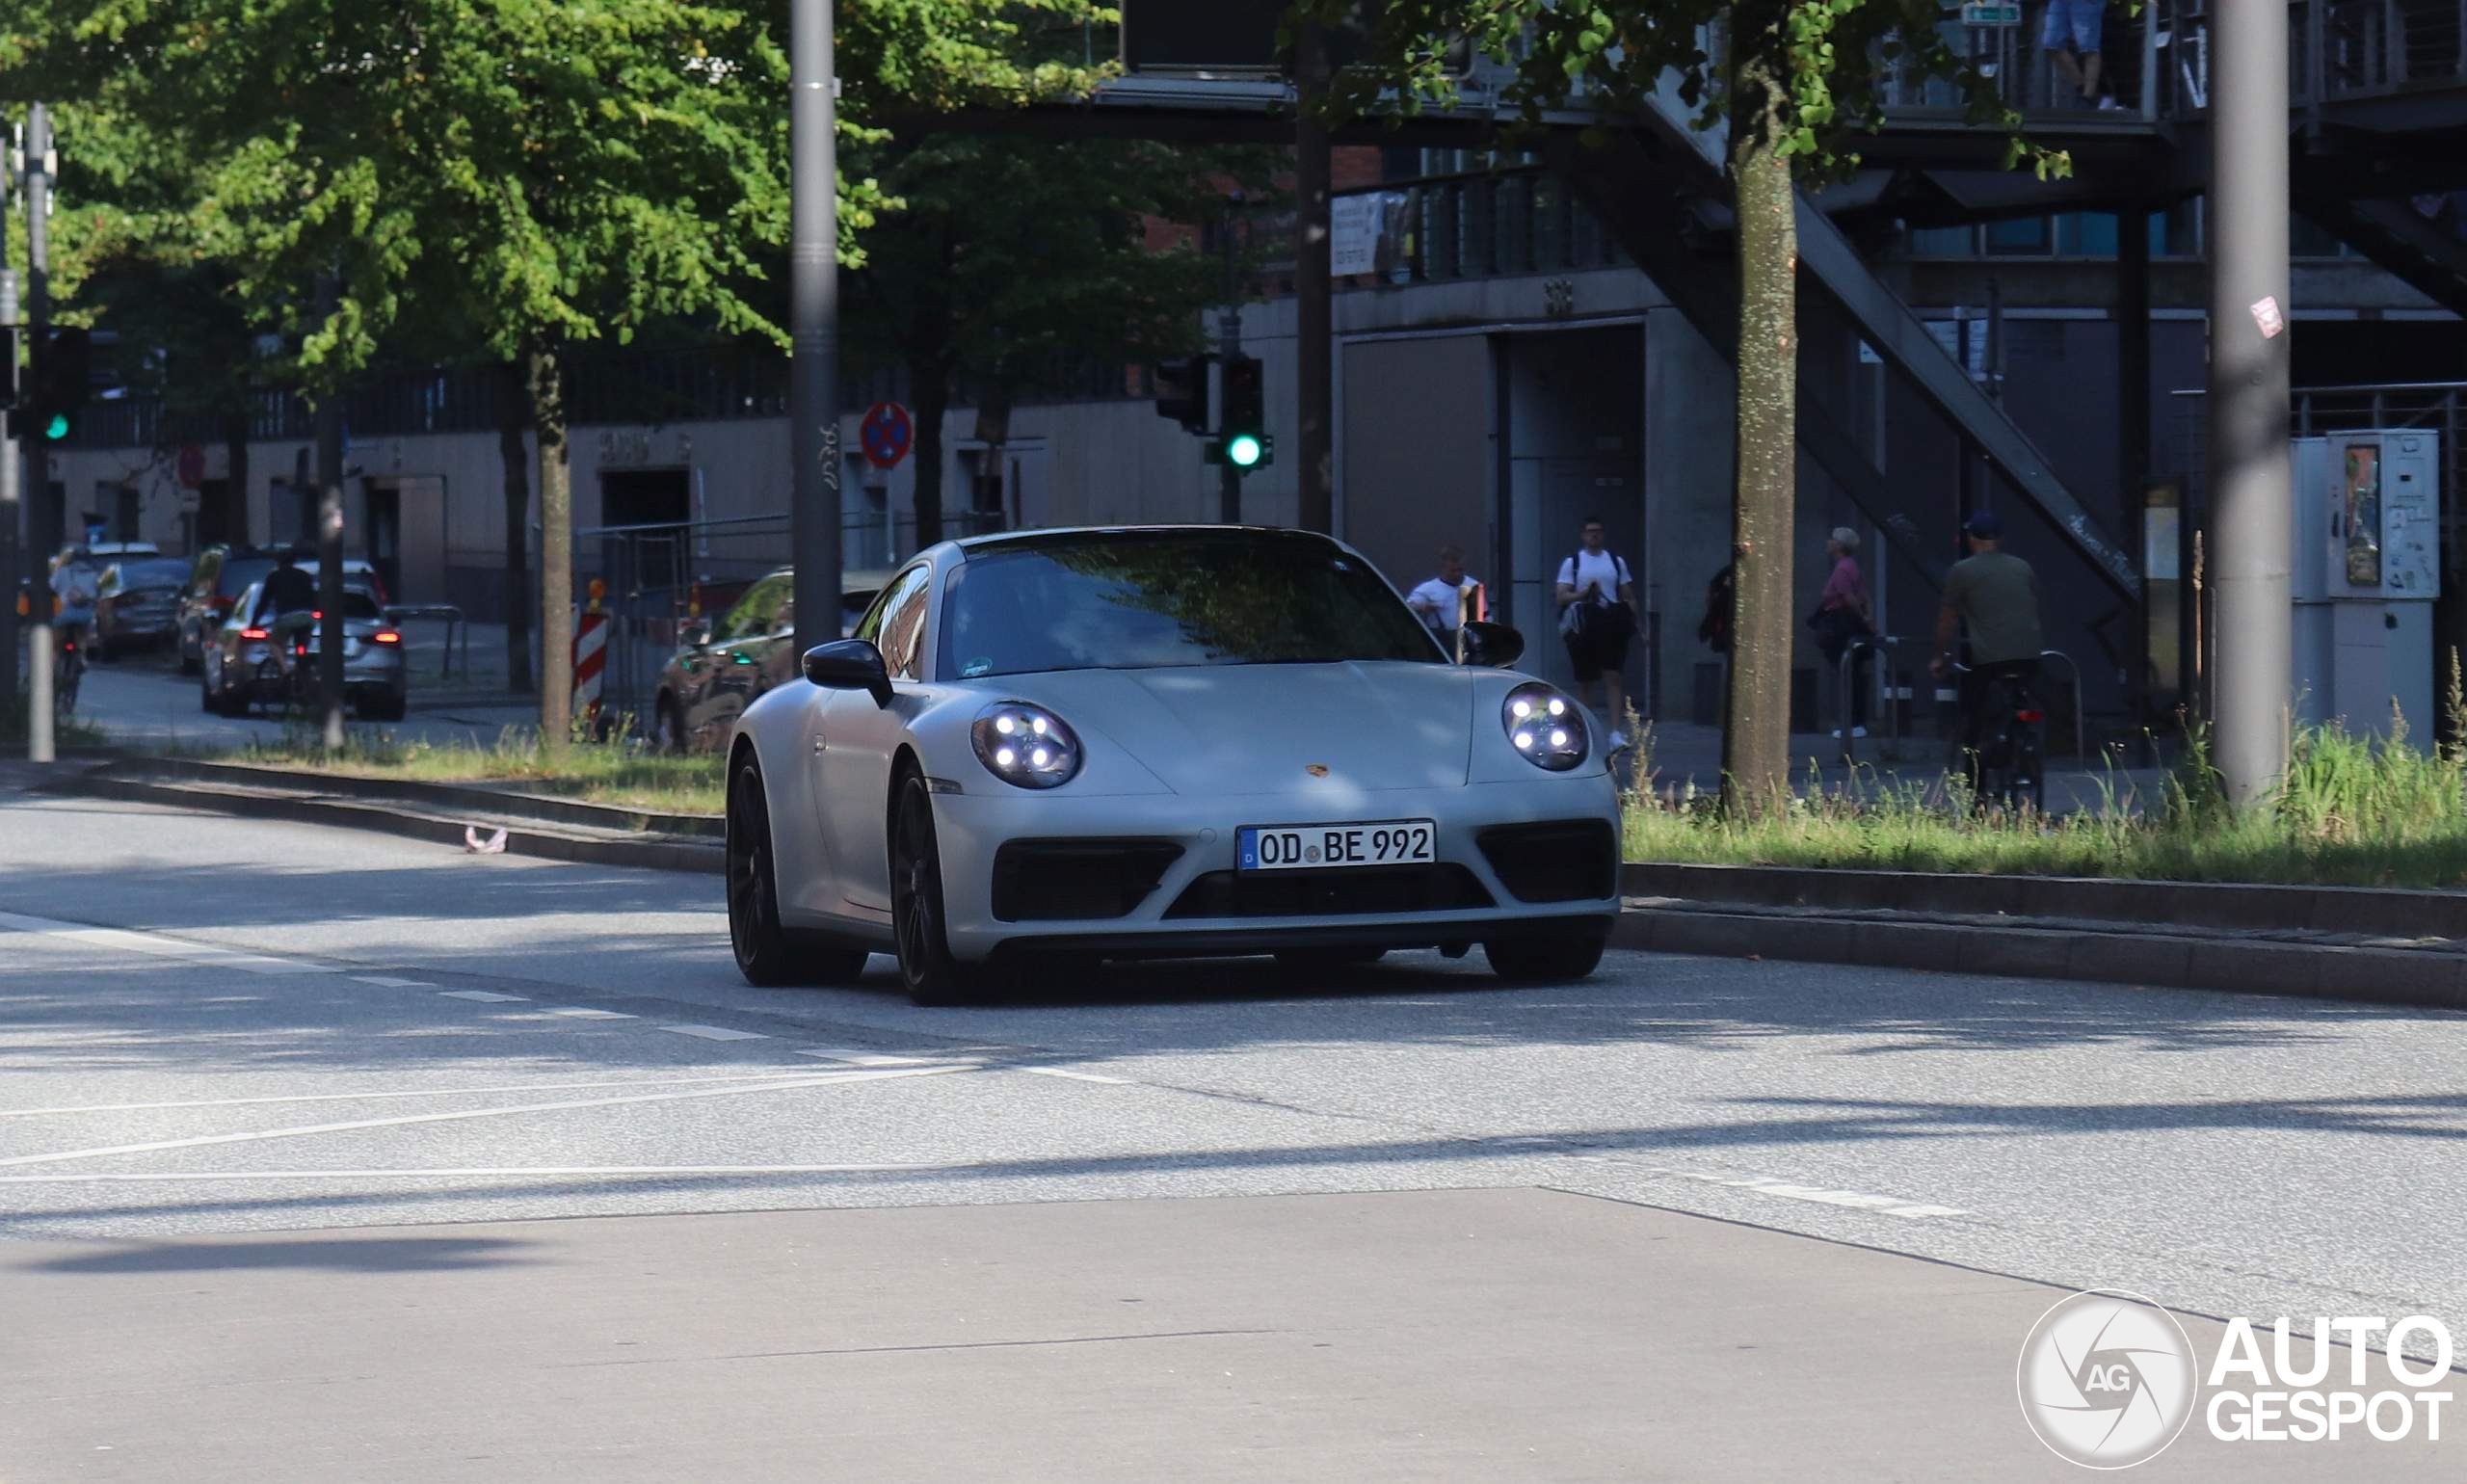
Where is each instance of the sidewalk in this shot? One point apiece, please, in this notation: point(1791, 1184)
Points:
point(1686, 753)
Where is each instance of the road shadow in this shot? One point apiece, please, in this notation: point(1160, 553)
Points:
point(324, 1255)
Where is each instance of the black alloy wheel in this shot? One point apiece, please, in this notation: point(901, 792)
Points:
point(933, 977)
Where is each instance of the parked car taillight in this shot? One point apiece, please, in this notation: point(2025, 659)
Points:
point(386, 636)
point(256, 635)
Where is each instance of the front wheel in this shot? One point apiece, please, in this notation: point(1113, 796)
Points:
point(767, 954)
point(1545, 956)
point(933, 976)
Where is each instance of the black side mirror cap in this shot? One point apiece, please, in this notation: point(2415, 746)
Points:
point(1492, 646)
point(849, 665)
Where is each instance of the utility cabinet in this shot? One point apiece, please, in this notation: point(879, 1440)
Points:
point(2366, 569)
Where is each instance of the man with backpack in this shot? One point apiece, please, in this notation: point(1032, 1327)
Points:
point(1597, 620)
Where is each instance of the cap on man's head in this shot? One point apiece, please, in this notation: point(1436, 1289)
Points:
point(1986, 525)
point(1845, 538)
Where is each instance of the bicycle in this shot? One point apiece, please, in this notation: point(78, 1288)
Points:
point(2009, 765)
point(67, 671)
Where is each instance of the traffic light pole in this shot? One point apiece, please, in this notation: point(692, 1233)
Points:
point(813, 322)
point(1229, 345)
point(41, 536)
point(330, 539)
point(12, 506)
point(1313, 295)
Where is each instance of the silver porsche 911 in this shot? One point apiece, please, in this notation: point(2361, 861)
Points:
point(1174, 742)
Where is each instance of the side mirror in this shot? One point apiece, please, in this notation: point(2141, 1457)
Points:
point(696, 634)
point(1492, 646)
point(849, 665)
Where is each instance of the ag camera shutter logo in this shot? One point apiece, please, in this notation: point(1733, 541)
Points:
point(2107, 1379)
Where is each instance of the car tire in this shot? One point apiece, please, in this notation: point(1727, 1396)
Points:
point(767, 954)
point(926, 967)
point(1327, 961)
point(1545, 957)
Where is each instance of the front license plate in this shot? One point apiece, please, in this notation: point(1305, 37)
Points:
point(1317, 847)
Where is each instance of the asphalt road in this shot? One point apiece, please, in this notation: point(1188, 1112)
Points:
point(1689, 1218)
point(143, 701)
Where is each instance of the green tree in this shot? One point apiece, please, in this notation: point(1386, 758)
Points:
point(1011, 257)
point(1794, 82)
point(537, 174)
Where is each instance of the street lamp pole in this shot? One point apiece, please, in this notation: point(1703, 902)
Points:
point(813, 322)
point(2251, 504)
point(12, 508)
point(42, 530)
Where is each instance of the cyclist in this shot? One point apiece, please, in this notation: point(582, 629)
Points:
point(1996, 595)
point(73, 585)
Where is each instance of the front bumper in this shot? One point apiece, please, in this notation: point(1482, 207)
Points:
point(1193, 909)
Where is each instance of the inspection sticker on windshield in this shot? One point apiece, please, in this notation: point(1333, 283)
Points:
point(1316, 847)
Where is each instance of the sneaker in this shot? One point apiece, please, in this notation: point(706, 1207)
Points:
point(2109, 105)
point(1858, 731)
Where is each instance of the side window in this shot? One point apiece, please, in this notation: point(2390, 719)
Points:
point(752, 615)
point(870, 627)
point(903, 632)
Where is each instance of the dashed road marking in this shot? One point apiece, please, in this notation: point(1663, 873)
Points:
point(586, 1013)
point(1765, 1184)
point(389, 982)
point(855, 1058)
point(159, 947)
point(482, 1171)
point(416, 1092)
point(482, 997)
point(788, 1084)
point(1075, 1076)
point(714, 1033)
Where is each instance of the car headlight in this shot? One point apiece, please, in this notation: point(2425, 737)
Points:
point(1546, 729)
point(1025, 745)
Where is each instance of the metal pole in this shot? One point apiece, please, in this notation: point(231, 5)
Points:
point(1229, 344)
point(2251, 490)
point(11, 507)
point(2133, 429)
point(329, 538)
point(41, 536)
point(813, 320)
point(1314, 306)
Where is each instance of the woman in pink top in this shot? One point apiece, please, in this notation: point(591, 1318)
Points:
point(1842, 614)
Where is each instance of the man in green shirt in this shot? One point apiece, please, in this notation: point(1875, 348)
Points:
point(1997, 595)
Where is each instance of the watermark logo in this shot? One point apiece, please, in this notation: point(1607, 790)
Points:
point(2107, 1379)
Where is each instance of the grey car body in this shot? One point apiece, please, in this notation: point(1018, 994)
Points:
point(1135, 855)
point(728, 664)
point(242, 667)
point(137, 603)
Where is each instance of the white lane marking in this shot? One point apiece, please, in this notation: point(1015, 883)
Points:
point(483, 996)
point(714, 1033)
point(422, 1092)
point(816, 1079)
point(157, 946)
point(586, 1013)
point(1075, 1076)
point(389, 982)
point(1765, 1184)
point(480, 1172)
point(855, 1058)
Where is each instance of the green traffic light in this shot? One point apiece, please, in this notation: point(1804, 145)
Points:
point(56, 429)
point(1243, 450)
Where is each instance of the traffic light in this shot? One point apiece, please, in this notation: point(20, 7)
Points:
point(56, 390)
point(1181, 391)
point(1242, 434)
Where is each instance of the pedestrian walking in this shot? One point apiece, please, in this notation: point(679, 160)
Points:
point(1597, 621)
point(1844, 616)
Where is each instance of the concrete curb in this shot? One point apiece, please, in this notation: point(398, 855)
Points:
point(457, 798)
point(2386, 912)
point(2389, 976)
point(523, 837)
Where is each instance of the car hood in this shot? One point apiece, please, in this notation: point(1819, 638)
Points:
point(1264, 728)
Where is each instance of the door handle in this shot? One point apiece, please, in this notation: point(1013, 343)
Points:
point(820, 744)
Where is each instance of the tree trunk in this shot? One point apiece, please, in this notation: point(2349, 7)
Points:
point(1756, 744)
point(556, 553)
point(513, 415)
point(234, 516)
point(931, 386)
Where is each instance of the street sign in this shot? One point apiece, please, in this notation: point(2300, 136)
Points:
point(1992, 13)
point(887, 435)
point(1353, 231)
point(192, 465)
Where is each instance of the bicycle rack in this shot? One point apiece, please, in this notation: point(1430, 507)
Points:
point(1886, 647)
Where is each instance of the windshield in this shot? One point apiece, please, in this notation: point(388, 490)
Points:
point(171, 573)
point(1141, 600)
point(239, 572)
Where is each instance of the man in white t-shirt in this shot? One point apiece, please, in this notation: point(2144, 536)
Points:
point(1439, 600)
point(1596, 619)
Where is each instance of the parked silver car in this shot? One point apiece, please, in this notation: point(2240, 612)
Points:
point(243, 665)
point(136, 604)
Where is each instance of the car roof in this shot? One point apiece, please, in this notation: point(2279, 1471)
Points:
point(1063, 535)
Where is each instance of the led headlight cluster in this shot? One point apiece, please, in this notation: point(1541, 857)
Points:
point(1025, 745)
point(1546, 729)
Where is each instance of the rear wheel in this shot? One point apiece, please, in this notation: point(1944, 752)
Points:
point(767, 953)
point(1545, 957)
point(925, 964)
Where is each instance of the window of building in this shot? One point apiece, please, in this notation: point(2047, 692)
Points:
point(2021, 237)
